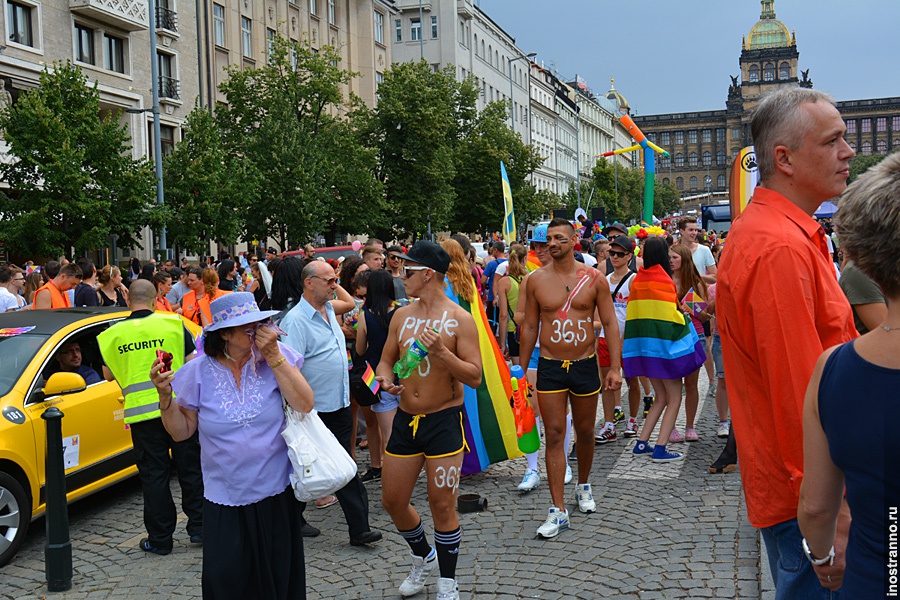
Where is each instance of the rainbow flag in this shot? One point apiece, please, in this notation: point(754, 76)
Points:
point(660, 341)
point(744, 177)
point(489, 424)
point(369, 378)
point(533, 263)
point(509, 217)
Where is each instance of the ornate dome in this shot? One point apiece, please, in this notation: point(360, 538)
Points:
point(616, 97)
point(768, 32)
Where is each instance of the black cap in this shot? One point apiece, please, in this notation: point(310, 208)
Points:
point(624, 242)
point(429, 254)
point(175, 272)
point(271, 250)
point(616, 225)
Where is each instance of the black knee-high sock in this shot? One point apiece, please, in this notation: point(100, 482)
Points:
point(447, 544)
point(417, 541)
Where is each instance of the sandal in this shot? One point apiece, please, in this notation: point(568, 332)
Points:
point(326, 501)
point(723, 465)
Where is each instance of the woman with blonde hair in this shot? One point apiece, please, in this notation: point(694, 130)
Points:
point(112, 292)
point(458, 274)
point(687, 278)
point(508, 293)
point(33, 281)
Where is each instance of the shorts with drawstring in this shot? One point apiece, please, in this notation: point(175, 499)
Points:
point(435, 435)
point(578, 377)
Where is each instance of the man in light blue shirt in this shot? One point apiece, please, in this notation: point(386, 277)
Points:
point(313, 330)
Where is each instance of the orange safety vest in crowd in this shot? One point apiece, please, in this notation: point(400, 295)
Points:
point(192, 307)
point(58, 299)
point(162, 303)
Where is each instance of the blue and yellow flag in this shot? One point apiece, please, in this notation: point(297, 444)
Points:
point(509, 220)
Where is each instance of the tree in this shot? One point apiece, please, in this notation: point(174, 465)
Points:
point(73, 180)
point(666, 199)
point(208, 190)
point(860, 163)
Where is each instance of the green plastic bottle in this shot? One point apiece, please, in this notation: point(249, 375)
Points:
point(411, 359)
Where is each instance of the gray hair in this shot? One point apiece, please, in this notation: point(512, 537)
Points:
point(778, 121)
point(868, 223)
point(312, 269)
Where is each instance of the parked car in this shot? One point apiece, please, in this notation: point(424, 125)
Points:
point(98, 449)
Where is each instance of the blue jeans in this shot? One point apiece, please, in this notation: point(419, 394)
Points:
point(793, 574)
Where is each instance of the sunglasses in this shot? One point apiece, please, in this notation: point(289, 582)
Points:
point(618, 254)
point(406, 270)
point(395, 257)
point(327, 280)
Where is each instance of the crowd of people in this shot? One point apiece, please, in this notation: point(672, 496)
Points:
point(774, 308)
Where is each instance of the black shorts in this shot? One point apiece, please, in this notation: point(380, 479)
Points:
point(434, 435)
point(578, 377)
point(512, 343)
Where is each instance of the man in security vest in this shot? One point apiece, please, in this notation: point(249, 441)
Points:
point(129, 350)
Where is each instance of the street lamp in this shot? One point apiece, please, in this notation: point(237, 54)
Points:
point(512, 104)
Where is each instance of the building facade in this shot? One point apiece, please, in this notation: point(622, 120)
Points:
point(703, 144)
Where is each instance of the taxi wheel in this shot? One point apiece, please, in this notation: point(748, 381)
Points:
point(15, 515)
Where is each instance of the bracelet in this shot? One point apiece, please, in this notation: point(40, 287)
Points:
point(278, 363)
point(829, 559)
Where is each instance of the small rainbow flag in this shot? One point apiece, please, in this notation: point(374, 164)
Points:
point(369, 378)
point(11, 331)
point(693, 302)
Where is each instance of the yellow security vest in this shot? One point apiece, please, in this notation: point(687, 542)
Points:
point(129, 350)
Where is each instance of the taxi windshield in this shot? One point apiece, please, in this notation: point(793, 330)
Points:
point(16, 352)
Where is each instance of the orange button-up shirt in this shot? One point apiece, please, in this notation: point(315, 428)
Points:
point(780, 306)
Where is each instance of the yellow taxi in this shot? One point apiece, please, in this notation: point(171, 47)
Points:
point(51, 358)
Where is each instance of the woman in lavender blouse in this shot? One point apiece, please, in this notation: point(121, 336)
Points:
point(253, 547)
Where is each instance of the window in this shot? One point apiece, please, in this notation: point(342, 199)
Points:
point(866, 125)
point(693, 183)
point(692, 159)
point(415, 30)
point(895, 124)
point(692, 136)
point(679, 160)
point(754, 73)
point(784, 71)
point(707, 158)
point(679, 138)
point(852, 146)
point(665, 162)
point(735, 134)
point(881, 124)
point(707, 136)
point(168, 84)
point(665, 181)
point(720, 157)
point(398, 26)
point(679, 183)
point(720, 182)
point(882, 147)
point(166, 139)
point(379, 27)
point(246, 37)
point(219, 24)
point(379, 79)
point(769, 72)
point(313, 8)
point(332, 17)
point(18, 23)
point(851, 126)
point(867, 148)
point(434, 30)
point(113, 53)
point(720, 134)
point(84, 44)
point(270, 43)
point(664, 138)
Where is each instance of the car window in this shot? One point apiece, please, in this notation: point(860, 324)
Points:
point(16, 352)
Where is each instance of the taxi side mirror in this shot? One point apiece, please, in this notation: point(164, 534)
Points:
point(64, 383)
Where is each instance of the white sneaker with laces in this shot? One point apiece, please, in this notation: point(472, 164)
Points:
point(448, 589)
point(723, 429)
point(421, 571)
point(585, 498)
point(568, 478)
point(557, 520)
point(530, 481)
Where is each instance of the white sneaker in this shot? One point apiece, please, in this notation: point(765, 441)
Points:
point(568, 478)
point(557, 520)
point(421, 571)
point(723, 429)
point(585, 498)
point(530, 481)
point(448, 589)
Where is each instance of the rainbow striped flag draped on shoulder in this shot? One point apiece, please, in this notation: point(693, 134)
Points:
point(489, 424)
point(660, 341)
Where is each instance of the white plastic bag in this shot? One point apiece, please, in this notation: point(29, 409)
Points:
point(321, 465)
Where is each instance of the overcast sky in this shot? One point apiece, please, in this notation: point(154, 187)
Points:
point(677, 55)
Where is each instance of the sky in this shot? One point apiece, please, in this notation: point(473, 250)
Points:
point(677, 55)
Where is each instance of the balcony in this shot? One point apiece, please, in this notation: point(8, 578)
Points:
point(166, 19)
point(168, 88)
point(130, 15)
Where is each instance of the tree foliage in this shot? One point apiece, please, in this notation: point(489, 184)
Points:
point(860, 163)
point(73, 178)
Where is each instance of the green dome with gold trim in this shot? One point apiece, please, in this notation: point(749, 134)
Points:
point(768, 32)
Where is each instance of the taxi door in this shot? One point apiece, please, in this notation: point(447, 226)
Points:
point(97, 446)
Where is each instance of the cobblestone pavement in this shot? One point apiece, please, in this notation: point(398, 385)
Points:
point(660, 531)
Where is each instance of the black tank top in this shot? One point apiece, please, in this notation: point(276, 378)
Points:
point(376, 336)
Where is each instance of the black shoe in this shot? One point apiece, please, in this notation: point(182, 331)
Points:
point(573, 455)
point(366, 537)
point(197, 539)
point(648, 402)
point(723, 464)
point(371, 475)
point(146, 546)
point(308, 530)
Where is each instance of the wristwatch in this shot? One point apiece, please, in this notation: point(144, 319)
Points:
point(829, 560)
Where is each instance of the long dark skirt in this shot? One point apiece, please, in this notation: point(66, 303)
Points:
point(254, 551)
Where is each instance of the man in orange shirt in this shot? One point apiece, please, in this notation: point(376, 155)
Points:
point(780, 306)
point(53, 294)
